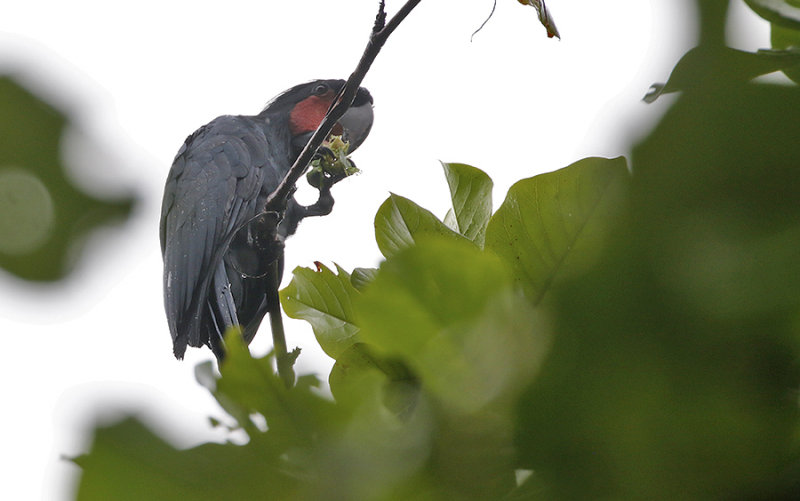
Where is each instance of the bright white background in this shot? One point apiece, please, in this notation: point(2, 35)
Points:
point(138, 77)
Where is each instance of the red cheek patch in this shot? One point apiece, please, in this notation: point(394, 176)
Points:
point(308, 113)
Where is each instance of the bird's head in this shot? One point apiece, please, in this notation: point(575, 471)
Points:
point(306, 105)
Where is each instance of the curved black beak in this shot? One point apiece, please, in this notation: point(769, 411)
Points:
point(357, 121)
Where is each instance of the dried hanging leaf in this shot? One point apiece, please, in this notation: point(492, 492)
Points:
point(544, 16)
point(541, 9)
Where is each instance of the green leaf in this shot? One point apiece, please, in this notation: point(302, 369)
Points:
point(353, 370)
point(785, 13)
point(717, 66)
point(400, 222)
point(127, 462)
point(45, 216)
point(362, 277)
point(447, 309)
point(669, 374)
point(324, 300)
point(725, 214)
point(786, 38)
point(357, 368)
point(471, 194)
point(450, 220)
point(295, 416)
point(443, 283)
point(553, 225)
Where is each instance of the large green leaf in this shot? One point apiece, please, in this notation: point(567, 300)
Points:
point(45, 216)
point(786, 38)
point(127, 462)
point(294, 416)
point(324, 300)
point(350, 448)
point(712, 65)
point(471, 195)
point(785, 13)
point(554, 225)
point(422, 291)
point(448, 310)
point(400, 222)
point(675, 358)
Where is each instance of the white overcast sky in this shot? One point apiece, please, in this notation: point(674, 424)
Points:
point(138, 77)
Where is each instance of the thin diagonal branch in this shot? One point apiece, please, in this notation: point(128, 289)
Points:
point(278, 199)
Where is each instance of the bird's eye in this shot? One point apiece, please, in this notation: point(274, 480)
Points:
point(320, 89)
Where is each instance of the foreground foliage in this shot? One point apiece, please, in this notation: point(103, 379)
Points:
point(608, 332)
point(46, 216)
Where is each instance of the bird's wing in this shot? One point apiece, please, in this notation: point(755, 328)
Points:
point(212, 189)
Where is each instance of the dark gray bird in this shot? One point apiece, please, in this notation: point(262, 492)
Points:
point(223, 255)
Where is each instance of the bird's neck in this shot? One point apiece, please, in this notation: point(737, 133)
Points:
point(276, 130)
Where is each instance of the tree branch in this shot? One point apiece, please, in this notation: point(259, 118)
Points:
point(277, 200)
point(380, 33)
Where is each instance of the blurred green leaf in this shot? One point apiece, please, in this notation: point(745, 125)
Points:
point(786, 38)
point(781, 12)
point(324, 300)
point(128, 462)
point(359, 364)
point(295, 416)
point(471, 195)
point(400, 222)
point(444, 283)
point(376, 452)
point(447, 309)
point(713, 66)
point(344, 449)
point(723, 211)
point(46, 216)
point(554, 225)
point(673, 370)
point(353, 366)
